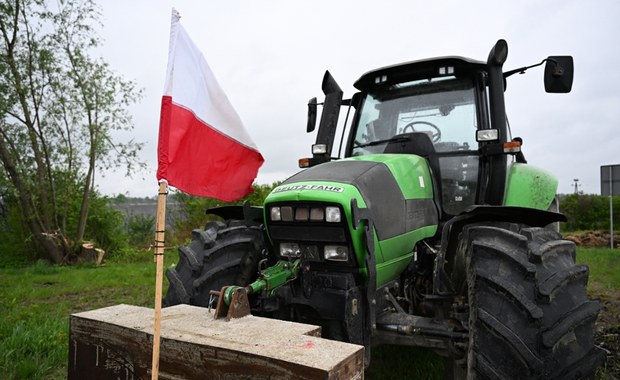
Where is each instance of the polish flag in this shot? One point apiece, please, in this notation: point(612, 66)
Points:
point(203, 147)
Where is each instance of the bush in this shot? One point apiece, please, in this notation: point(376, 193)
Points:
point(193, 210)
point(14, 245)
point(105, 226)
point(586, 212)
point(141, 230)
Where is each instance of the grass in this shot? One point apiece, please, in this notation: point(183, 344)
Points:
point(35, 304)
point(604, 265)
point(36, 301)
point(603, 285)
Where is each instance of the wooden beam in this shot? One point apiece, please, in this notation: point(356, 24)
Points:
point(115, 343)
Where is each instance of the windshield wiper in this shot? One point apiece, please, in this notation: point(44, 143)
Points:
point(379, 142)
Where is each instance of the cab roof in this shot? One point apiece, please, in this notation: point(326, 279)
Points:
point(415, 70)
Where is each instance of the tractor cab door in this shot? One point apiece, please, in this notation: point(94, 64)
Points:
point(434, 118)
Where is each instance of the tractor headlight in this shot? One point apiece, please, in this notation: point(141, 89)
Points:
point(286, 212)
point(275, 214)
point(290, 250)
point(332, 214)
point(336, 253)
point(281, 213)
point(317, 214)
point(319, 149)
point(487, 135)
point(302, 214)
point(305, 213)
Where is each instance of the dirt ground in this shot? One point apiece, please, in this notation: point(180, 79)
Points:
point(607, 328)
point(607, 333)
point(594, 239)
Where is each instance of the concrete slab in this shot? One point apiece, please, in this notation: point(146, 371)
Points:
point(116, 343)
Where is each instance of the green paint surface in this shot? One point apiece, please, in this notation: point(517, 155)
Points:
point(392, 255)
point(529, 186)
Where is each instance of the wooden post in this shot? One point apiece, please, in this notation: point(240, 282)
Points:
point(160, 231)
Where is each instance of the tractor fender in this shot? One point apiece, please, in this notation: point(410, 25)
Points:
point(451, 232)
point(530, 186)
point(240, 212)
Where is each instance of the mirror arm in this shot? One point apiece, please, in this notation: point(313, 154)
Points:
point(523, 69)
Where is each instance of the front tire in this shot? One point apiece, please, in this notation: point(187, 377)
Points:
point(222, 254)
point(529, 312)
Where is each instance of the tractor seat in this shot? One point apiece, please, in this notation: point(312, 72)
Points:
point(418, 143)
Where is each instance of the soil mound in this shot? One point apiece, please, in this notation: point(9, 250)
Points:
point(593, 239)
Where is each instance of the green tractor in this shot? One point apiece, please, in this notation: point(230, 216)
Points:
point(427, 229)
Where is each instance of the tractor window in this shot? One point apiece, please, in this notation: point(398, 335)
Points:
point(444, 109)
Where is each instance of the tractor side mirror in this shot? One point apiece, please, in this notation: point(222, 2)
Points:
point(311, 115)
point(559, 74)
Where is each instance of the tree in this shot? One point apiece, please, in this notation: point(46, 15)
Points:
point(58, 109)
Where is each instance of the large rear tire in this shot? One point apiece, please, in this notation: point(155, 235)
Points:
point(529, 314)
point(220, 255)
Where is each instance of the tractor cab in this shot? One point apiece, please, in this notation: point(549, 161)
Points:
point(432, 109)
point(449, 110)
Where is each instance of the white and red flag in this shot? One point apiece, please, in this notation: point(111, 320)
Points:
point(203, 147)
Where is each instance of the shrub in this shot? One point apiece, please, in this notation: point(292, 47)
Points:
point(587, 211)
point(105, 227)
point(141, 230)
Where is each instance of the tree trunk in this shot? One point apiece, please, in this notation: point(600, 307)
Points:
point(50, 247)
point(87, 183)
point(38, 219)
point(84, 207)
point(28, 120)
point(45, 244)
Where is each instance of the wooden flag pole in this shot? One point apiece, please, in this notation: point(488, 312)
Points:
point(160, 231)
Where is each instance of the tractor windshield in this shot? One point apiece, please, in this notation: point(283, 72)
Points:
point(444, 109)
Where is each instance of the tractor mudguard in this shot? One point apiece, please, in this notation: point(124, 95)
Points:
point(245, 212)
point(529, 186)
point(442, 285)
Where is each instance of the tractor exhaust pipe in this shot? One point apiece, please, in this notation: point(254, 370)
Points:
point(496, 187)
point(496, 60)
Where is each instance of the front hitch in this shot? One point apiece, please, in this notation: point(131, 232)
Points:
point(236, 306)
point(233, 300)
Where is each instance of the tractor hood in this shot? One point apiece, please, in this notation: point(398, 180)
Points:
point(396, 188)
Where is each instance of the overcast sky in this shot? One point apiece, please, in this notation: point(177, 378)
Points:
point(270, 56)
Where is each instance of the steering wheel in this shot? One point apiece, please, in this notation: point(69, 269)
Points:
point(435, 134)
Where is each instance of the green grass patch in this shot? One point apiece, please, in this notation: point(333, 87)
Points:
point(604, 266)
point(36, 302)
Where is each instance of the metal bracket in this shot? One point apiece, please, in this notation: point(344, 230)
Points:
point(239, 304)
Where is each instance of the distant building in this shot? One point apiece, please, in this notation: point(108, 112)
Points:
point(148, 207)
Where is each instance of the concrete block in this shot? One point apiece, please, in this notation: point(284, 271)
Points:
point(116, 343)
